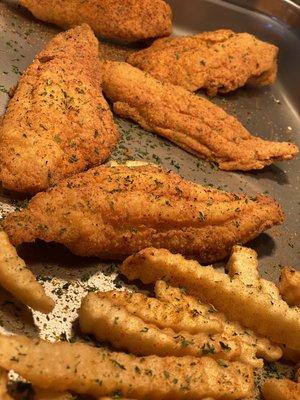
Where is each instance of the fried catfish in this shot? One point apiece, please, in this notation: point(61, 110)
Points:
point(128, 20)
point(112, 212)
point(192, 122)
point(218, 61)
point(57, 122)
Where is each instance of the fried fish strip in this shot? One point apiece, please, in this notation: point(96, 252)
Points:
point(3, 386)
point(289, 286)
point(57, 123)
point(218, 61)
point(16, 278)
point(98, 372)
point(252, 346)
point(125, 331)
point(162, 315)
point(281, 389)
point(112, 212)
point(250, 306)
point(42, 394)
point(128, 20)
point(191, 122)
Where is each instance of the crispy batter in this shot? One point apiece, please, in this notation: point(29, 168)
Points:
point(248, 305)
point(289, 286)
point(163, 315)
point(57, 123)
point(192, 122)
point(128, 20)
point(281, 389)
point(252, 346)
point(125, 331)
point(98, 372)
point(112, 212)
point(3, 386)
point(218, 61)
point(19, 280)
point(42, 394)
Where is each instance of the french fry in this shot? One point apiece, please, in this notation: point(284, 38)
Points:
point(125, 331)
point(250, 306)
point(95, 371)
point(3, 386)
point(42, 394)
point(17, 279)
point(163, 315)
point(252, 346)
point(289, 286)
point(281, 389)
point(243, 265)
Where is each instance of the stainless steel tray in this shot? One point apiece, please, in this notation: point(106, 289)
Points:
point(268, 112)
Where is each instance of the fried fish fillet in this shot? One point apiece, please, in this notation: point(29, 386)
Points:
point(128, 20)
point(192, 122)
point(218, 61)
point(112, 212)
point(57, 122)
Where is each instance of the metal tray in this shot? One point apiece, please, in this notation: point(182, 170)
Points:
point(268, 112)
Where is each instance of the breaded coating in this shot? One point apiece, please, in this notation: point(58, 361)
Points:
point(281, 389)
point(192, 122)
point(57, 123)
point(98, 372)
point(218, 61)
point(3, 386)
point(112, 212)
point(129, 20)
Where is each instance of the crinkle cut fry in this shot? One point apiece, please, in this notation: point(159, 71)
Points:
point(16, 278)
point(247, 305)
point(255, 346)
point(125, 331)
point(98, 372)
point(162, 315)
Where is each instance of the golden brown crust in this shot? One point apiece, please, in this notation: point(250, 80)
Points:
point(192, 122)
point(58, 123)
point(128, 20)
point(289, 286)
point(111, 212)
point(218, 61)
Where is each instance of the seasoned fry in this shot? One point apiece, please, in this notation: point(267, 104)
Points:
point(114, 324)
point(252, 346)
point(248, 305)
point(19, 280)
point(161, 314)
point(98, 372)
point(3, 386)
point(42, 394)
point(281, 389)
point(243, 265)
point(289, 286)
